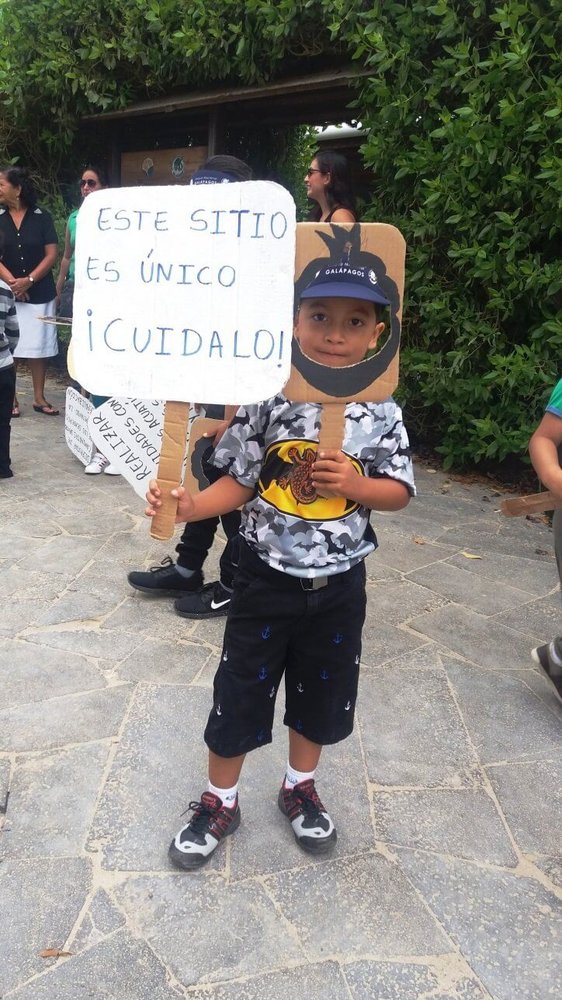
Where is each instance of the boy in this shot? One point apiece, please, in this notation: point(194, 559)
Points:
point(299, 597)
point(544, 449)
point(9, 333)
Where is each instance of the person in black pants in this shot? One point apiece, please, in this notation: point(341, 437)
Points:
point(184, 578)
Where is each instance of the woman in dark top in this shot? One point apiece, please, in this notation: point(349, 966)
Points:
point(30, 250)
point(327, 184)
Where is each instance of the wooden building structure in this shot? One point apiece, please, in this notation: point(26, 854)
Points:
point(164, 140)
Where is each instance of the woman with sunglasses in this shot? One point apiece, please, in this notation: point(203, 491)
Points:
point(93, 179)
point(30, 250)
point(327, 184)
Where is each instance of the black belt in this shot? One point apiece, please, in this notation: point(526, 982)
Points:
point(314, 582)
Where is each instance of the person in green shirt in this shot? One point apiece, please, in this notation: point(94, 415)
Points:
point(93, 179)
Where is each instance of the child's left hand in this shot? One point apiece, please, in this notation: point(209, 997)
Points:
point(333, 475)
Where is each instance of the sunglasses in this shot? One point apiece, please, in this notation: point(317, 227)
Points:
point(88, 183)
point(312, 170)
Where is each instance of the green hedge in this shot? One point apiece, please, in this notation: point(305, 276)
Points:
point(463, 111)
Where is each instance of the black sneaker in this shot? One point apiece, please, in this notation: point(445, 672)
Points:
point(312, 827)
point(546, 658)
point(164, 580)
point(212, 601)
point(210, 823)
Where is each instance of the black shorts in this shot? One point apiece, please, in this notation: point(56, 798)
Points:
point(276, 627)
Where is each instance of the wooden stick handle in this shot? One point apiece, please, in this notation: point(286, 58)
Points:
point(176, 418)
point(535, 503)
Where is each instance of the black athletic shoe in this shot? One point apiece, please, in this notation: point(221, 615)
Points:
point(312, 827)
point(164, 580)
point(546, 658)
point(210, 823)
point(212, 601)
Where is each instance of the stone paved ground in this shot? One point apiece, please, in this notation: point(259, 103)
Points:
point(447, 877)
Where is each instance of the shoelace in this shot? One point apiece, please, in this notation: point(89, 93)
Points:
point(165, 564)
point(202, 814)
point(311, 804)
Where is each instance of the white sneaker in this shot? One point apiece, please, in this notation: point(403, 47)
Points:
point(97, 465)
point(110, 470)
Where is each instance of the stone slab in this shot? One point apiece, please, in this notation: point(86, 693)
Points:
point(160, 662)
point(65, 554)
point(118, 968)
point(52, 801)
point(458, 585)
point(19, 615)
point(404, 554)
point(502, 536)
point(39, 903)
point(101, 643)
point(30, 674)
point(356, 926)
point(231, 934)
point(411, 731)
point(324, 981)
point(463, 823)
point(508, 927)
point(78, 607)
point(150, 617)
point(523, 791)
point(382, 643)
point(159, 767)
point(475, 637)
point(504, 718)
point(100, 919)
point(396, 602)
point(541, 618)
point(33, 585)
point(515, 571)
point(370, 980)
point(79, 718)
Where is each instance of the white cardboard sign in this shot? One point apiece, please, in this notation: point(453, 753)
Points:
point(76, 431)
point(129, 433)
point(185, 292)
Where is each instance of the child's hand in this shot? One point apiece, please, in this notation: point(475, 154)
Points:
point(333, 475)
point(154, 498)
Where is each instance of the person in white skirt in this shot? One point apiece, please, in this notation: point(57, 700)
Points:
point(30, 251)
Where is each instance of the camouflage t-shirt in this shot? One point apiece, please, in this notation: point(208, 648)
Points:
point(271, 447)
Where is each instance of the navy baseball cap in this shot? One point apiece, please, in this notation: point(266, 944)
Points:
point(345, 281)
point(203, 176)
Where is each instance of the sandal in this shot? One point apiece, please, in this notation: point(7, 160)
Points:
point(46, 409)
point(15, 408)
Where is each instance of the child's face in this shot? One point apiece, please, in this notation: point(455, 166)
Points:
point(337, 332)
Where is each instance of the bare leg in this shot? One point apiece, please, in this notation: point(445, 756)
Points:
point(303, 754)
point(38, 368)
point(224, 772)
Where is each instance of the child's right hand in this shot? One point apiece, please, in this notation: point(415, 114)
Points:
point(186, 504)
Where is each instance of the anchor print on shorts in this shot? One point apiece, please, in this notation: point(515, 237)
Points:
point(266, 632)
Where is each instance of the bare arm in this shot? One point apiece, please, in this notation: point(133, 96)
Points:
point(335, 476)
point(65, 262)
point(543, 451)
point(220, 498)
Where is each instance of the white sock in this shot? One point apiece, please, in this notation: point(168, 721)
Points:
point(294, 777)
point(184, 571)
point(226, 795)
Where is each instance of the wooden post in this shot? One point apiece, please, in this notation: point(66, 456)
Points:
point(176, 418)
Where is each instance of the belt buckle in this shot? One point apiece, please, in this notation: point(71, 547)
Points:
point(314, 583)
